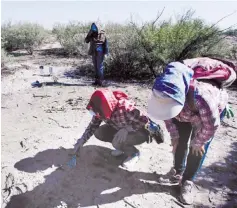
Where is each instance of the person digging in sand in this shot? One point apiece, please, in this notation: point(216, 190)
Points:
point(192, 110)
point(125, 125)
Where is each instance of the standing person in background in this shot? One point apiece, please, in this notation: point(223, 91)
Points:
point(98, 49)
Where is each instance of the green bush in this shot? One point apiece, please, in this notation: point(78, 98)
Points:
point(71, 37)
point(231, 32)
point(143, 51)
point(4, 57)
point(26, 36)
point(5, 63)
point(123, 60)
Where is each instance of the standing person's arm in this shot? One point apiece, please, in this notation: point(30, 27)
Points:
point(210, 120)
point(88, 37)
point(174, 133)
point(172, 129)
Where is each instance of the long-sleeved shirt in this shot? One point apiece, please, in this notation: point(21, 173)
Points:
point(209, 102)
point(122, 117)
point(98, 43)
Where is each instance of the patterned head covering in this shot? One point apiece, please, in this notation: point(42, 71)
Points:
point(175, 81)
point(104, 101)
point(94, 27)
point(169, 91)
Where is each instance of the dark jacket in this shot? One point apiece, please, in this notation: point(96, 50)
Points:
point(98, 42)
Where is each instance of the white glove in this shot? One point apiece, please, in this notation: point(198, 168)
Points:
point(121, 136)
point(78, 145)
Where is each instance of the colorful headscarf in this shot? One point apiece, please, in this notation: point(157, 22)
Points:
point(104, 101)
point(175, 81)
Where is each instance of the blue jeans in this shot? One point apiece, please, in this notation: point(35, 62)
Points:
point(98, 62)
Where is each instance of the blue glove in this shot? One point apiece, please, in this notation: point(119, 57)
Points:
point(155, 131)
point(73, 162)
point(152, 127)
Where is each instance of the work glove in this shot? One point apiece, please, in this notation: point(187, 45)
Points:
point(73, 161)
point(155, 131)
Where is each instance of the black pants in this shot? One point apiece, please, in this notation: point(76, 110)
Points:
point(106, 133)
point(181, 155)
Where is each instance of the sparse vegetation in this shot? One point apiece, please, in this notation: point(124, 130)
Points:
point(143, 51)
point(26, 36)
point(231, 32)
point(4, 57)
point(71, 37)
point(5, 60)
point(135, 51)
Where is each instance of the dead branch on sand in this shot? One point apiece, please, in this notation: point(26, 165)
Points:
point(65, 127)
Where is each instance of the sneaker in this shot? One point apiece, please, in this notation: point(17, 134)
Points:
point(131, 160)
point(187, 195)
point(116, 153)
point(171, 178)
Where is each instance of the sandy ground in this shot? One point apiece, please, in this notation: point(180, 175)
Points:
point(40, 126)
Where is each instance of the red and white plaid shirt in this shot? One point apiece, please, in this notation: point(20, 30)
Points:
point(210, 102)
point(124, 115)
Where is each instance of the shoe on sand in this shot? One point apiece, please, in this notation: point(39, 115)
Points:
point(187, 192)
point(131, 160)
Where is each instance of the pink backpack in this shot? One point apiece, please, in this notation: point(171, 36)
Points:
point(212, 69)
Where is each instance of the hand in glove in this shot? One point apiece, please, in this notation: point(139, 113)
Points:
point(155, 131)
point(121, 135)
point(228, 111)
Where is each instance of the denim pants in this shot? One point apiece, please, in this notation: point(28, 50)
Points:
point(186, 163)
point(98, 62)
